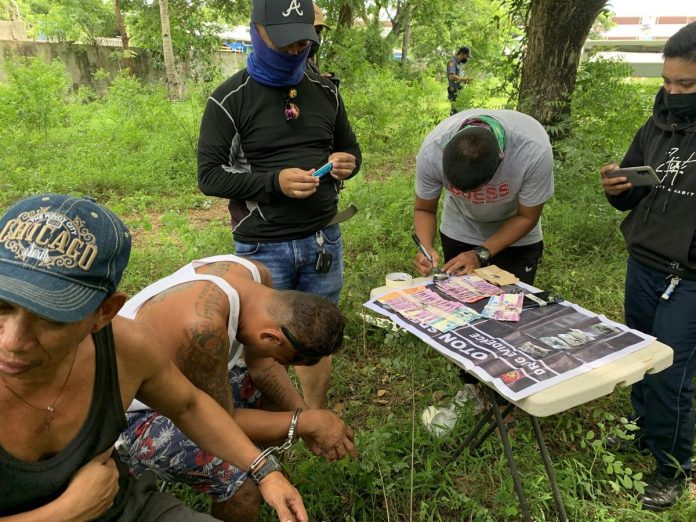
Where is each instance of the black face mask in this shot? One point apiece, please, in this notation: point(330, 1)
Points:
point(681, 106)
point(463, 60)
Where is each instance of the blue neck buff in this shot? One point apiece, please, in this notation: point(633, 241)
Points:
point(273, 68)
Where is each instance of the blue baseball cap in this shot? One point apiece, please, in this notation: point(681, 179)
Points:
point(286, 21)
point(60, 256)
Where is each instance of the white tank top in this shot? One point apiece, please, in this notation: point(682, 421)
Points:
point(188, 274)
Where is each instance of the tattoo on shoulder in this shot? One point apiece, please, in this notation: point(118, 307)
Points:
point(202, 357)
point(209, 301)
point(219, 268)
point(166, 293)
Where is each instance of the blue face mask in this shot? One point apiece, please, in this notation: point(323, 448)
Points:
point(273, 68)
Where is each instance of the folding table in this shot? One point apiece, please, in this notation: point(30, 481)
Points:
point(560, 397)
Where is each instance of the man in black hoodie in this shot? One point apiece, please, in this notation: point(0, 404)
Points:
point(661, 275)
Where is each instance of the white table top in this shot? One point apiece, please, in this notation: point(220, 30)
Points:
point(590, 385)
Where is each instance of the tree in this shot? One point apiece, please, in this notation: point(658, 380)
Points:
point(120, 26)
point(9, 10)
point(401, 25)
point(406, 40)
point(193, 28)
point(168, 51)
point(555, 33)
point(123, 33)
point(70, 20)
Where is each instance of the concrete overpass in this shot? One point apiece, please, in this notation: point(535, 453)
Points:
point(643, 56)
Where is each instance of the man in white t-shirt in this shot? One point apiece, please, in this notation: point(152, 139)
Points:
point(496, 167)
point(232, 336)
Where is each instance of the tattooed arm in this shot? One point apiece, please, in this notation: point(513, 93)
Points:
point(203, 344)
point(202, 357)
point(274, 382)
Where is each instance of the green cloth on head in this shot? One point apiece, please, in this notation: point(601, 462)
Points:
point(494, 125)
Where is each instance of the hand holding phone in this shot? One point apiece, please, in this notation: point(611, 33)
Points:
point(636, 176)
point(323, 170)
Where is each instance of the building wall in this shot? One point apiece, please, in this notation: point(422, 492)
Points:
point(647, 27)
point(83, 61)
point(638, 41)
point(12, 30)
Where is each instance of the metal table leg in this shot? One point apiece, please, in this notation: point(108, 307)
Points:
point(485, 418)
point(502, 429)
point(549, 470)
point(495, 419)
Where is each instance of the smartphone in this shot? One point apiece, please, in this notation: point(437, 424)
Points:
point(637, 176)
point(323, 170)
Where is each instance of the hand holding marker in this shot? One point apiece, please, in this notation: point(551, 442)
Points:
point(438, 275)
point(323, 170)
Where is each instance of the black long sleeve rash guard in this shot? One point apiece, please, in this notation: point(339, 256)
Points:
point(245, 141)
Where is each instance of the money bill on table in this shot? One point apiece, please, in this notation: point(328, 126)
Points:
point(468, 288)
point(504, 307)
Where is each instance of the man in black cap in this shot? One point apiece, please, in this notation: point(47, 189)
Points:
point(68, 366)
point(265, 132)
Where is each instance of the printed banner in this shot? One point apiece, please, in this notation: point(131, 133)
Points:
point(521, 354)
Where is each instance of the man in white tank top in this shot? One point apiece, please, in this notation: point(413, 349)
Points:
point(233, 335)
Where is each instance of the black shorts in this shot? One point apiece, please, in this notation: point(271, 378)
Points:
point(521, 260)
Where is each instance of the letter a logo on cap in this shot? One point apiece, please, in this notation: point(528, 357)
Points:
point(294, 6)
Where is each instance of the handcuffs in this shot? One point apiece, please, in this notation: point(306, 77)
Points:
point(258, 471)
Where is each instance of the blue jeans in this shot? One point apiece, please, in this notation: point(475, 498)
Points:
point(291, 263)
point(664, 401)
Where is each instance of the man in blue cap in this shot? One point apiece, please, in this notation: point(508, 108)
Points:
point(68, 366)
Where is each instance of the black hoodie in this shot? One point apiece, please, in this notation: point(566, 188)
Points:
point(659, 230)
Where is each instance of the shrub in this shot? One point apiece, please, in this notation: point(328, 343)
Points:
point(391, 114)
point(35, 96)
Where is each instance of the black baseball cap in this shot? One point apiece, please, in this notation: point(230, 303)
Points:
point(285, 21)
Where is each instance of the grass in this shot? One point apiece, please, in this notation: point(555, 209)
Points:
point(135, 151)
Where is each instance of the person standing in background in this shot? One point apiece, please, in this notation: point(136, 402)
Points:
point(313, 61)
point(455, 76)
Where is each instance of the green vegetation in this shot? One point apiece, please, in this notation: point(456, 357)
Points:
point(135, 151)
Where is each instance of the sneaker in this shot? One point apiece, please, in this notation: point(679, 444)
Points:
point(663, 491)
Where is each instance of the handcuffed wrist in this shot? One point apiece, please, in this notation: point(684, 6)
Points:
point(293, 426)
point(265, 462)
point(263, 468)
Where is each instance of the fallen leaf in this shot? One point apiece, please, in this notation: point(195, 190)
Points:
point(439, 395)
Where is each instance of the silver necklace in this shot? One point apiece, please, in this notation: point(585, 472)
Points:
point(51, 408)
